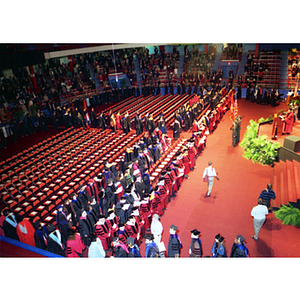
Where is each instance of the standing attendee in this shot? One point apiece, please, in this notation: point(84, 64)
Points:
point(134, 250)
point(75, 245)
point(218, 248)
point(156, 229)
point(54, 242)
point(120, 249)
point(234, 129)
point(10, 225)
point(289, 121)
point(25, 231)
point(40, 235)
point(174, 245)
point(258, 213)
point(238, 128)
point(196, 244)
point(266, 195)
point(239, 248)
point(152, 249)
point(96, 249)
point(208, 175)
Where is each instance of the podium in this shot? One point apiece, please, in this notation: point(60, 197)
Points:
point(277, 126)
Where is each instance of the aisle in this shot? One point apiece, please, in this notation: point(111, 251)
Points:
point(227, 211)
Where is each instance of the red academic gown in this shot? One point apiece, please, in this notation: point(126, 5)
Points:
point(192, 155)
point(103, 233)
point(118, 122)
point(145, 213)
point(187, 164)
point(75, 247)
point(26, 235)
point(289, 122)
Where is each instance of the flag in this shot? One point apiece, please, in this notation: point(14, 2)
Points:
point(296, 88)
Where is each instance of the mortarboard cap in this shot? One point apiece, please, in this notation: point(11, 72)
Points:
point(195, 232)
point(240, 237)
point(174, 227)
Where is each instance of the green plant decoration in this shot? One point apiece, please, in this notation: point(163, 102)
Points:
point(289, 215)
point(258, 148)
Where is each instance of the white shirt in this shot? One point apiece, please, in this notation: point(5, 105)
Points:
point(259, 212)
point(210, 171)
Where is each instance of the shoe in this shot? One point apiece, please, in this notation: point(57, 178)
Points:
point(252, 236)
point(207, 195)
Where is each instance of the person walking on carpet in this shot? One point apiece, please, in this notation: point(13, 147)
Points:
point(258, 213)
point(208, 176)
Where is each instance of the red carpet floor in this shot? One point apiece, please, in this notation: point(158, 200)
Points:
point(227, 211)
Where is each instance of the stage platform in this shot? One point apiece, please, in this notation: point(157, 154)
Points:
point(266, 129)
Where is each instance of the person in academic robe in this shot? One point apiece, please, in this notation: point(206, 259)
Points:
point(138, 124)
point(93, 118)
point(83, 196)
point(134, 250)
point(118, 121)
point(110, 197)
point(122, 233)
point(54, 242)
point(10, 225)
point(74, 246)
point(101, 121)
point(176, 129)
point(103, 232)
point(25, 231)
point(152, 249)
point(84, 228)
point(133, 229)
point(218, 248)
point(112, 222)
point(289, 119)
point(234, 133)
point(239, 248)
point(129, 155)
point(128, 122)
point(120, 249)
point(40, 235)
point(174, 244)
point(196, 244)
point(62, 221)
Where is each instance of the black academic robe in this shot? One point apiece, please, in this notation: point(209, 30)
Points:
point(55, 248)
point(173, 246)
point(237, 252)
point(84, 230)
point(120, 252)
point(10, 231)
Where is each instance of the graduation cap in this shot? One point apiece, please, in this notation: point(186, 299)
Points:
point(221, 239)
point(195, 232)
point(240, 237)
point(218, 236)
point(163, 173)
point(149, 236)
point(168, 169)
point(161, 179)
point(146, 195)
point(101, 216)
point(173, 227)
point(176, 165)
point(156, 188)
point(121, 224)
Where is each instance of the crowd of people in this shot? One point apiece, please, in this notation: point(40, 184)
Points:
point(122, 202)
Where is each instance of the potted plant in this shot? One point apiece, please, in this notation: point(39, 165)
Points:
point(289, 215)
